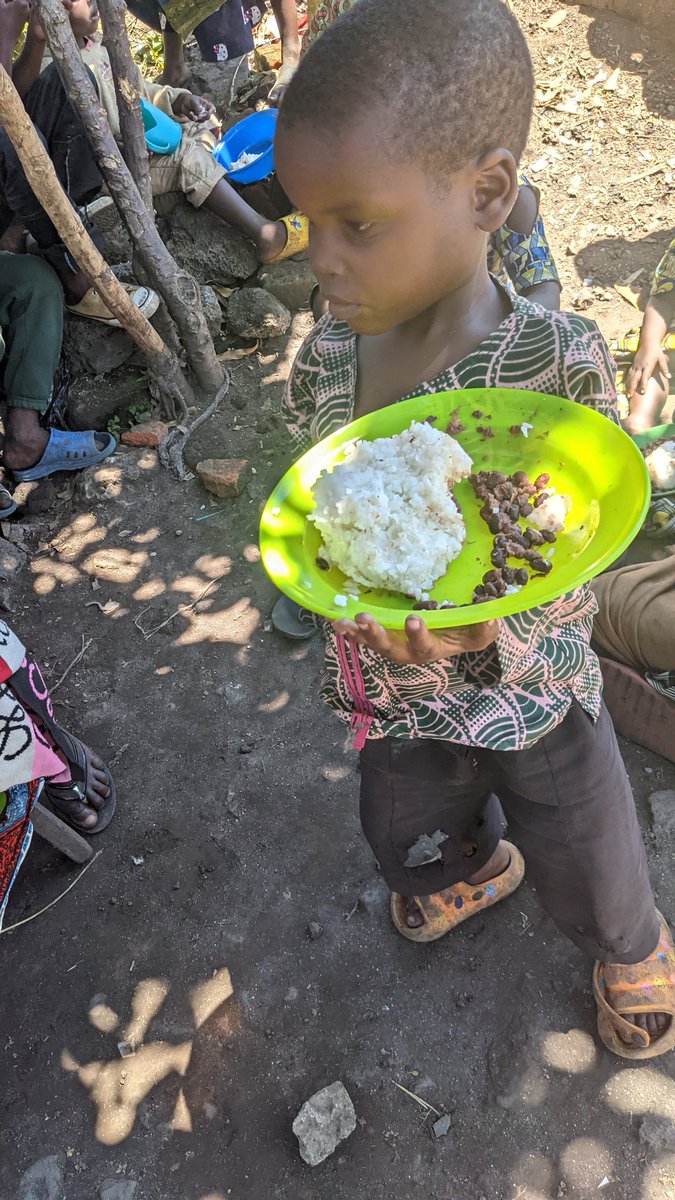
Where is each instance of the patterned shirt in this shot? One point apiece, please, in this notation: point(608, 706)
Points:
point(507, 696)
point(664, 275)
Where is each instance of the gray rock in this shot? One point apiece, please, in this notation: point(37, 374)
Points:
point(254, 313)
point(314, 928)
point(210, 249)
point(662, 807)
point(212, 310)
point(442, 1125)
point(117, 1189)
point(92, 408)
point(43, 1180)
point(117, 246)
point(290, 282)
point(658, 1133)
point(12, 560)
point(95, 348)
point(324, 1121)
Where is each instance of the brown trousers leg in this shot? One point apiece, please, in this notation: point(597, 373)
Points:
point(569, 806)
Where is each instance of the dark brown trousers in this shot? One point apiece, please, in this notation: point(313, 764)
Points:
point(569, 807)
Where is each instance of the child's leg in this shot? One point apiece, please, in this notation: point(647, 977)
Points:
point(646, 407)
point(175, 72)
point(193, 170)
point(414, 787)
point(31, 316)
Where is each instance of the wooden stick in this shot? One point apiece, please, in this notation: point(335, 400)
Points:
point(128, 89)
point(81, 653)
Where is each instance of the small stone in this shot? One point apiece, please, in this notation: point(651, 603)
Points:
point(290, 282)
point(43, 1180)
point(12, 560)
point(148, 433)
point(658, 1133)
point(314, 931)
point(254, 313)
point(222, 476)
point(117, 1189)
point(94, 348)
point(324, 1121)
point(442, 1125)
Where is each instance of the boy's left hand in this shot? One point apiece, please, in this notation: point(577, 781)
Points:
point(195, 108)
point(418, 644)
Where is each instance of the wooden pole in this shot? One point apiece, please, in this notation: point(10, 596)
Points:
point(43, 179)
point(128, 89)
point(176, 286)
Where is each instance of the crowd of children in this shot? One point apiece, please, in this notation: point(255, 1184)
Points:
point(400, 137)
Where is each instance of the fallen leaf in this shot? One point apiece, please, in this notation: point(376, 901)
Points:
point(95, 585)
point(629, 294)
point(567, 106)
point(631, 278)
point(107, 609)
point(223, 293)
point(244, 352)
point(611, 84)
point(556, 19)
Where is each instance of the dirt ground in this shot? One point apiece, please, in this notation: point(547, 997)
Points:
point(237, 823)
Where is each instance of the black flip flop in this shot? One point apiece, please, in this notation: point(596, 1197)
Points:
point(56, 793)
point(292, 621)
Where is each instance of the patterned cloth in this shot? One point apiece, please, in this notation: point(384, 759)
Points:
point(664, 275)
point(522, 260)
point(521, 687)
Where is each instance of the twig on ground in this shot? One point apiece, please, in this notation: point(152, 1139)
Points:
point(643, 175)
point(55, 901)
point(184, 607)
point(122, 750)
point(418, 1099)
point(78, 656)
point(171, 449)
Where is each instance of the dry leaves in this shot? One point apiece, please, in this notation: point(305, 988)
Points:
point(107, 609)
point(243, 352)
point(556, 20)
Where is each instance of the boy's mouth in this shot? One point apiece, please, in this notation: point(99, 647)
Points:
point(342, 308)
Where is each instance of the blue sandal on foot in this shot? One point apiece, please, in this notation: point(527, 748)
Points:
point(66, 451)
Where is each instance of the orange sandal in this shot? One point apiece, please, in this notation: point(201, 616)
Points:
point(445, 910)
point(297, 230)
point(645, 987)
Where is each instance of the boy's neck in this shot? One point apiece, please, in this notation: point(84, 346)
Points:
point(468, 314)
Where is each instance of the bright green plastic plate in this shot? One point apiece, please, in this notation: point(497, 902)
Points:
point(587, 457)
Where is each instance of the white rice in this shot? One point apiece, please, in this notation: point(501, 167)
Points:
point(386, 514)
point(552, 513)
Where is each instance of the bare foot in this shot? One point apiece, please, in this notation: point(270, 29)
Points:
point(496, 865)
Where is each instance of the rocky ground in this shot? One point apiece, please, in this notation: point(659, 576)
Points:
point(234, 929)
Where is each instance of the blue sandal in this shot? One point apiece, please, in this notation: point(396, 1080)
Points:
point(66, 451)
point(10, 508)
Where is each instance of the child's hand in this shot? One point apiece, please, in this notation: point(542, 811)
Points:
point(195, 108)
point(648, 359)
point(418, 644)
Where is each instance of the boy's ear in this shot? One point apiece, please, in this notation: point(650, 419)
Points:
point(495, 189)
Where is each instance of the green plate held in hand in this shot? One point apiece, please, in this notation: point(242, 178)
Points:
point(587, 457)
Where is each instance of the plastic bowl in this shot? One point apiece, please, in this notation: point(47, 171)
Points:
point(253, 135)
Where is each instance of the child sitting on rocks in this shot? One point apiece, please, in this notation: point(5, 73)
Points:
point(404, 174)
point(191, 169)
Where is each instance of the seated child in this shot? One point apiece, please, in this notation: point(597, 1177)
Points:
point(648, 379)
point(404, 175)
point(191, 169)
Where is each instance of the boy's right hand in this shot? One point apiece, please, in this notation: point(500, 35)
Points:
point(13, 16)
point(648, 359)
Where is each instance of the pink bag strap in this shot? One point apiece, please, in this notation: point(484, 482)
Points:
point(364, 713)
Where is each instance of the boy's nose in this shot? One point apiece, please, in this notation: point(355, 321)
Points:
point(324, 255)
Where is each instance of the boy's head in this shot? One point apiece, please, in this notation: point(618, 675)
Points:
point(399, 136)
point(83, 16)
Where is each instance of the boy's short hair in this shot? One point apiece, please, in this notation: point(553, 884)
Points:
point(454, 76)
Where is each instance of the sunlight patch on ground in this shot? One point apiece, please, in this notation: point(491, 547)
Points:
point(234, 625)
point(150, 590)
point(573, 1052)
point(48, 574)
point(116, 564)
point(585, 1162)
point(277, 704)
point(118, 1086)
point(641, 1090)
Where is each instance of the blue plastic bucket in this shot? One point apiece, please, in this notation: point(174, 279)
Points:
point(253, 135)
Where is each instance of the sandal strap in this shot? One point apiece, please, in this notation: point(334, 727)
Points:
point(647, 987)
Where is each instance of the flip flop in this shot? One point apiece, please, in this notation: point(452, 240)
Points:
point(76, 789)
point(66, 451)
point(297, 240)
point(447, 909)
point(645, 987)
point(11, 508)
point(292, 621)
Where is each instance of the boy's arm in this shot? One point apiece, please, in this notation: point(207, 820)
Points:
point(650, 356)
point(286, 14)
point(29, 63)
point(13, 17)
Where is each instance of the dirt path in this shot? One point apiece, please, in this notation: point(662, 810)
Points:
point(237, 827)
